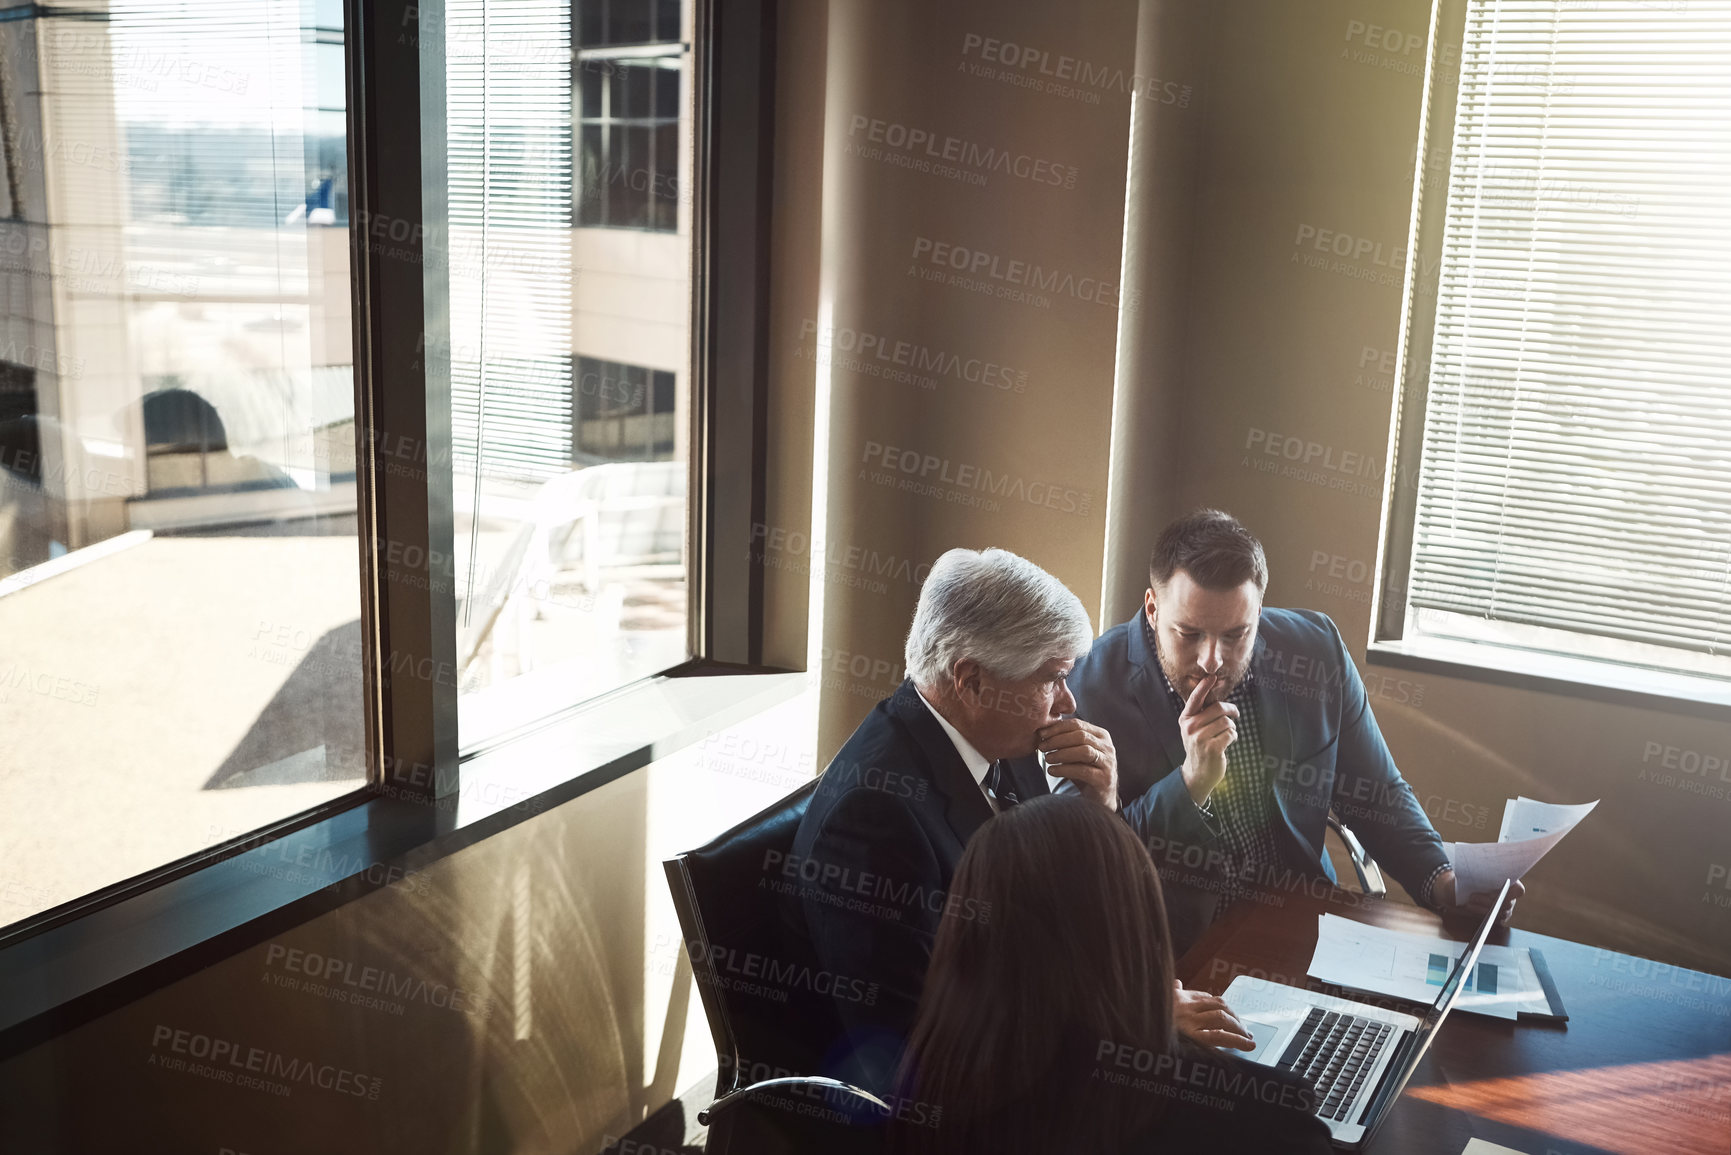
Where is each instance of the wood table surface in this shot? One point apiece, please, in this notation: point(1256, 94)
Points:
point(1643, 1064)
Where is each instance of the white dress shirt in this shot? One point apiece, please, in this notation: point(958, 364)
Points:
point(977, 763)
point(1054, 783)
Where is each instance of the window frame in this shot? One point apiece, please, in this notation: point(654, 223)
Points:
point(1487, 662)
point(72, 963)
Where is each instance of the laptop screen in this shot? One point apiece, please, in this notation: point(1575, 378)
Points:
point(1464, 965)
point(1395, 1078)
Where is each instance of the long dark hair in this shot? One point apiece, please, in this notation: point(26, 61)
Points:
point(1054, 948)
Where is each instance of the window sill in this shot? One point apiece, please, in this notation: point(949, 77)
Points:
point(71, 971)
point(1573, 677)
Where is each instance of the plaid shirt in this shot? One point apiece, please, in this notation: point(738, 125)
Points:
point(1243, 806)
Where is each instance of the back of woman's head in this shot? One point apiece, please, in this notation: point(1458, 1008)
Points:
point(1053, 945)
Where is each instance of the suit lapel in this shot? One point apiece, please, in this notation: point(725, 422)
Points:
point(966, 808)
point(1150, 695)
point(1274, 715)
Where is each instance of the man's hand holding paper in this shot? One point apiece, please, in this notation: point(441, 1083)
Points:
point(1530, 828)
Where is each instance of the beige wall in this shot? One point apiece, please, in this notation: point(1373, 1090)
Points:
point(956, 415)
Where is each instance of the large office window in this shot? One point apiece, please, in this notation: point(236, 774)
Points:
point(570, 351)
point(1573, 475)
point(180, 638)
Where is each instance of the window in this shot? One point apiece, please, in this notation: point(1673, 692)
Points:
point(624, 413)
point(179, 572)
point(601, 23)
point(255, 748)
point(1572, 505)
point(629, 140)
point(630, 63)
point(570, 352)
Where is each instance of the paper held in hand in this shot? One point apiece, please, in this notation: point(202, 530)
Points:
point(1530, 828)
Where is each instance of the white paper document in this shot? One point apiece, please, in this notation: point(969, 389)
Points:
point(1530, 828)
point(1414, 966)
point(1481, 1147)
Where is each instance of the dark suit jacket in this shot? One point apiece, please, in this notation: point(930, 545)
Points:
point(871, 867)
point(1320, 743)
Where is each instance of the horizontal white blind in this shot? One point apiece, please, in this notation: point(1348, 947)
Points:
point(1576, 469)
point(508, 92)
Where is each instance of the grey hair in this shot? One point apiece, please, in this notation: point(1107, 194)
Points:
point(1001, 610)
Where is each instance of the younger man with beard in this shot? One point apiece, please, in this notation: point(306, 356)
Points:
point(1237, 727)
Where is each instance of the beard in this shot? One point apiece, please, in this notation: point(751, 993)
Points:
point(1185, 678)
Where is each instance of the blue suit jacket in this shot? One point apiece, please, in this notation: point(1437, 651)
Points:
point(1320, 743)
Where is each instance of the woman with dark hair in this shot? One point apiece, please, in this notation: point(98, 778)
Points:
point(1045, 1025)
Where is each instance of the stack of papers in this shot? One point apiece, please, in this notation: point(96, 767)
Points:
point(1413, 966)
point(1530, 828)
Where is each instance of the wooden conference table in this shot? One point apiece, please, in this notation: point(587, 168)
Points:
point(1642, 1065)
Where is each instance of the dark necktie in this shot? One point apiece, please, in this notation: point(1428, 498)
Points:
point(1002, 786)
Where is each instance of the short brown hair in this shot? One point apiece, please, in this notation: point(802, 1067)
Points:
point(1213, 548)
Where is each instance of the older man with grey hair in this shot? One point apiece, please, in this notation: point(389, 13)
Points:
point(868, 877)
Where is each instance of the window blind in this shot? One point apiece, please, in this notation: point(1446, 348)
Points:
point(1576, 455)
point(508, 86)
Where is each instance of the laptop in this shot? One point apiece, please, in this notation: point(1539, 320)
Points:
point(1358, 1056)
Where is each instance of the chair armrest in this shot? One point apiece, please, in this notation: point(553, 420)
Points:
point(1369, 874)
point(801, 1082)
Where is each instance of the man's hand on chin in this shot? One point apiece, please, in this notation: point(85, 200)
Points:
point(1083, 753)
point(1206, 1019)
point(1477, 905)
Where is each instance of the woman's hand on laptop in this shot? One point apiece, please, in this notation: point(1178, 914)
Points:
point(1206, 1019)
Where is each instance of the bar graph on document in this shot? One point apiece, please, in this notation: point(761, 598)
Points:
point(1413, 966)
point(1483, 978)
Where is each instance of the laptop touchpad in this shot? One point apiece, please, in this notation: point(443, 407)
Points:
point(1264, 1034)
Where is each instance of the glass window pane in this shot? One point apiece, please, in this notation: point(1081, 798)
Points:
point(630, 21)
point(179, 575)
point(592, 191)
point(615, 86)
point(629, 195)
point(589, 22)
point(632, 392)
point(639, 79)
point(570, 492)
point(665, 187)
point(591, 79)
point(667, 92)
point(667, 23)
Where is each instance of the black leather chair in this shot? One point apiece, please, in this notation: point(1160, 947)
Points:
point(769, 1035)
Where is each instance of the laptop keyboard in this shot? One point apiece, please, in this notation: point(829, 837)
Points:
point(1334, 1052)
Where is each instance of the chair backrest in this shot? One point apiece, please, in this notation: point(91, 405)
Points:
point(638, 508)
point(731, 917)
